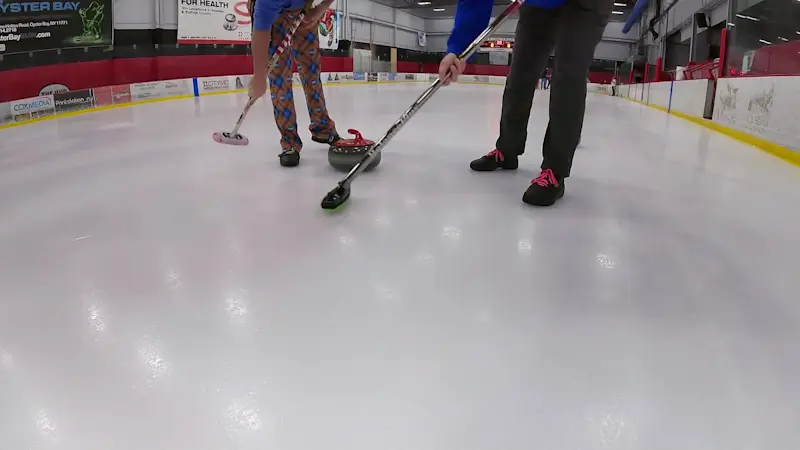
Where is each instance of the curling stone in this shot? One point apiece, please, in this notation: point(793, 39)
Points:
point(346, 153)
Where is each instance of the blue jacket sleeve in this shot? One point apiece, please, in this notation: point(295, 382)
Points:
point(472, 17)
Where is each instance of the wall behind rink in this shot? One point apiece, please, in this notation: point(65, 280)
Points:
point(761, 111)
point(48, 105)
point(766, 107)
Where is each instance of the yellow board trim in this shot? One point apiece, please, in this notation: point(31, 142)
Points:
point(772, 148)
point(180, 97)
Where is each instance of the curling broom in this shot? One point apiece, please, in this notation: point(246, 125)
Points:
point(339, 195)
point(233, 137)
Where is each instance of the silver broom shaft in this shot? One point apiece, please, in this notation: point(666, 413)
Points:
point(469, 51)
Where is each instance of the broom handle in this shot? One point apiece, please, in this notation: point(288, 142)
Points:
point(287, 40)
point(469, 51)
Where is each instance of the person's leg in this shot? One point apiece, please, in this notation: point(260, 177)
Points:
point(580, 28)
point(309, 65)
point(533, 42)
point(280, 85)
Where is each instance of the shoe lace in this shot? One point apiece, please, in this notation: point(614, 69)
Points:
point(497, 155)
point(545, 179)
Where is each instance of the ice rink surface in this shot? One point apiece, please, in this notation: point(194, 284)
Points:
point(163, 292)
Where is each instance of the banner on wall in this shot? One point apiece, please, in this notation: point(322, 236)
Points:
point(242, 81)
point(213, 22)
point(73, 100)
point(112, 95)
point(5, 113)
point(422, 38)
point(32, 108)
point(214, 84)
point(329, 28)
point(29, 26)
point(160, 89)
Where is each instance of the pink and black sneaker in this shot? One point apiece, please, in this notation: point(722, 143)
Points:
point(494, 160)
point(544, 189)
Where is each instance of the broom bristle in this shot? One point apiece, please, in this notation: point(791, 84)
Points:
point(229, 139)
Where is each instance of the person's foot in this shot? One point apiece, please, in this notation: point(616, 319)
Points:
point(289, 158)
point(494, 160)
point(544, 189)
point(326, 138)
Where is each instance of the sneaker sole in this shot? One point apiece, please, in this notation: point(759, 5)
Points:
point(493, 169)
point(323, 141)
point(530, 201)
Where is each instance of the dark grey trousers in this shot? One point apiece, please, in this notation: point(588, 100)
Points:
point(573, 31)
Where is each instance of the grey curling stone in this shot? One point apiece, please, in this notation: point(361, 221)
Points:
point(344, 154)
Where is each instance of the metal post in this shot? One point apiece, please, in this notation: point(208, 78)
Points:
point(692, 39)
point(371, 44)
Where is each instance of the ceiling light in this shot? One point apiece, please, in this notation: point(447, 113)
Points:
point(764, 41)
point(731, 24)
point(783, 39)
point(423, 3)
point(617, 12)
point(625, 4)
point(438, 9)
point(742, 16)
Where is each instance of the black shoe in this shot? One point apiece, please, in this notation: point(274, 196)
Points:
point(326, 139)
point(289, 158)
point(544, 189)
point(494, 160)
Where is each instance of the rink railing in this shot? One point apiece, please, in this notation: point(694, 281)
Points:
point(760, 111)
point(51, 104)
point(60, 103)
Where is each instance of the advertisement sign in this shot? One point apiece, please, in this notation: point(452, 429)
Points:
point(29, 26)
point(372, 76)
point(392, 76)
point(330, 78)
point(214, 84)
point(32, 108)
point(54, 88)
point(242, 82)
point(144, 91)
point(383, 76)
point(73, 100)
point(213, 22)
point(112, 95)
point(5, 113)
point(422, 39)
point(329, 28)
point(160, 89)
point(410, 77)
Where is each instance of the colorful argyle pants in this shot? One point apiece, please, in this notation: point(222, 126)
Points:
point(305, 53)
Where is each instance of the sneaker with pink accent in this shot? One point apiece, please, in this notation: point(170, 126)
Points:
point(544, 189)
point(494, 160)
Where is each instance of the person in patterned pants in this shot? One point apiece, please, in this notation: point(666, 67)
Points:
point(305, 53)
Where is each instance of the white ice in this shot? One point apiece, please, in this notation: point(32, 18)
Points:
point(160, 291)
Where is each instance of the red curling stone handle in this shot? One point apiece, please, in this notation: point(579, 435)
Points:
point(358, 138)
